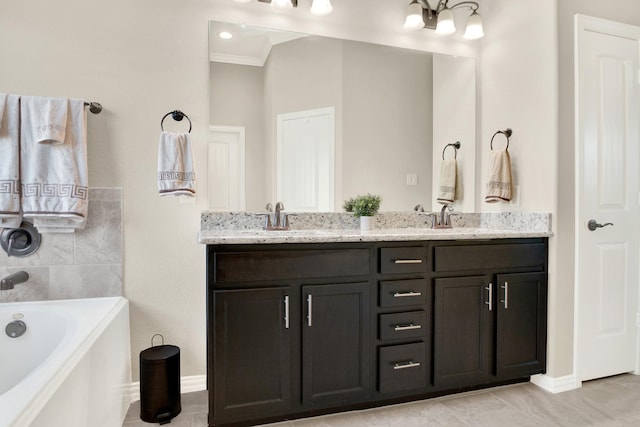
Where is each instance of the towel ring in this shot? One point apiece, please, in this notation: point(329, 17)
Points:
point(177, 115)
point(455, 146)
point(507, 133)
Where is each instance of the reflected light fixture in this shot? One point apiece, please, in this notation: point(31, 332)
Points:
point(318, 7)
point(440, 19)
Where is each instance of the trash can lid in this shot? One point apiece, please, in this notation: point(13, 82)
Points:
point(160, 352)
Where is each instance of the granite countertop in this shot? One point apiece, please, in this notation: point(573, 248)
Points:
point(215, 237)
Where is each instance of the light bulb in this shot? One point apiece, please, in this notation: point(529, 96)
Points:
point(414, 20)
point(445, 22)
point(321, 7)
point(281, 4)
point(474, 28)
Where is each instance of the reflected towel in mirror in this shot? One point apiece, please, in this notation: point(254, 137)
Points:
point(448, 176)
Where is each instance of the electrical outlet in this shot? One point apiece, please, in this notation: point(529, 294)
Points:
point(412, 179)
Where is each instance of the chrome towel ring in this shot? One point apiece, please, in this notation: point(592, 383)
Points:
point(455, 145)
point(507, 133)
point(177, 115)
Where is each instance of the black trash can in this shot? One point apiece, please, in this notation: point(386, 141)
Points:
point(160, 383)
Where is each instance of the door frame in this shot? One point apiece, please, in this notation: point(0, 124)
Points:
point(239, 132)
point(280, 119)
point(582, 24)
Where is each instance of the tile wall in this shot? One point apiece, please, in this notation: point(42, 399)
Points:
point(85, 264)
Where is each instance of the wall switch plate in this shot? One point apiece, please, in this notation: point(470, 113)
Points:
point(412, 179)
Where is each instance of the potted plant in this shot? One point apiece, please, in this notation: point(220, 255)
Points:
point(365, 207)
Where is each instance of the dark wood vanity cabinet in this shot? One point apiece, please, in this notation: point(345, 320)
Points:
point(288, 330)
point(303, 329)
point(489, 323)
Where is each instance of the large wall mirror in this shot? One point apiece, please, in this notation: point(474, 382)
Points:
point(312, 121)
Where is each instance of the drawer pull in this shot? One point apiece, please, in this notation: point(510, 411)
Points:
point(405, 365)
point(406, 294)
point(286, 312)
point(407, 261)
point(406, 327)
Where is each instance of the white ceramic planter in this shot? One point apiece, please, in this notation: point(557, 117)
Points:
point(366, 222)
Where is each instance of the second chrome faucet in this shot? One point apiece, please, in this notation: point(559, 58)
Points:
point(279, 223)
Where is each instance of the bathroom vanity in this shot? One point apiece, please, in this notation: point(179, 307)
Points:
point(318, 322)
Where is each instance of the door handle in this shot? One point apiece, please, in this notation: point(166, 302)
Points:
point(592, 224)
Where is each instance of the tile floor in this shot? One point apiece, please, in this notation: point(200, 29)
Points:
point(606, 402)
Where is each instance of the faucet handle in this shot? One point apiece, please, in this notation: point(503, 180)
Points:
point(267, 221)
point(269, 207)
point(419, 208)
point(285, 224)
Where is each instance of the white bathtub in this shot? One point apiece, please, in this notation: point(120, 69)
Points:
point(72, 366)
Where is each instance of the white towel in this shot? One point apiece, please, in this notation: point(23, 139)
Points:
point(448, 173)
point(176, 171)
point(47, 118)
point(54, 176)
point(10, 216)
point(500, 184)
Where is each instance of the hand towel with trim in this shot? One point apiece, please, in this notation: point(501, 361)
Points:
point(10, 216)
point(54, 176)
point(448, 175)
point(47, 118)
point(500, 184)
point(176, 171)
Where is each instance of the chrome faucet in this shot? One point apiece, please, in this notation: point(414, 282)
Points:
point(13, 279)
point(444, 219)
point(419, 208)
point(278, 219)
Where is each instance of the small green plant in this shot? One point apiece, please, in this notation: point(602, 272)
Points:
point(367, 205)
point(348, 204)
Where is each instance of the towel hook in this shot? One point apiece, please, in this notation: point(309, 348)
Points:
point(455, 145)
point(507, 133)
point(177, 115)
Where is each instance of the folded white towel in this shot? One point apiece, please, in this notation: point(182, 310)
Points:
point(47, 118)
point(448, 173)
point(176, 171)
point(54, 176)
point(500, 184)
point(10, 216)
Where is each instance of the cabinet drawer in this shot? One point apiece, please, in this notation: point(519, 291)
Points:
point(287, 265)
point(481, 257)
point(398, 293)
point(410, 324)
point(402, 367)
point(403, 260)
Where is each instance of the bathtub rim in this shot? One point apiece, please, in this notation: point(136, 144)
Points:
point(24, 411)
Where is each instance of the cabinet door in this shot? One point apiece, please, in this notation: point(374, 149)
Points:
point(463, 331)
point(335, 344)
point(252, 353)
point(521, 325)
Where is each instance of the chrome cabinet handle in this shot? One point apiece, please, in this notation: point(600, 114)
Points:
point(309, 309)
point(286, 312)
point(593, 224)
point(408, 261)
point(406, 294)
point(490, 302)
point(408, 327)
point(506, 295)
point(405, 365)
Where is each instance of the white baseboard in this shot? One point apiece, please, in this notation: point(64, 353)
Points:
point(187, 385)
point(556, 385)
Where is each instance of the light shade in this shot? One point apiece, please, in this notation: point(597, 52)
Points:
point(321, 7)
point(474, 27)
point(414, 20)
point(445, 22)
point(281, 4)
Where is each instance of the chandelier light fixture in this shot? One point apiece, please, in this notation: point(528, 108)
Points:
point(420, 15)
point(318, 7)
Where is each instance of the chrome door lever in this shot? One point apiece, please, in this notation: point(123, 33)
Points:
point(593, 224)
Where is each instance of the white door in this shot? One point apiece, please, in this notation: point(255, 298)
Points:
point(306, 160)
point(226, 168)
point(607, 159)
